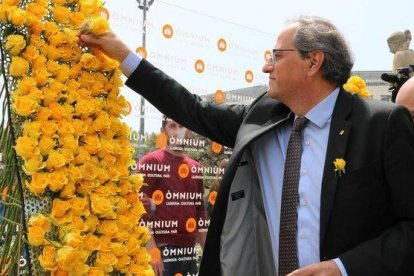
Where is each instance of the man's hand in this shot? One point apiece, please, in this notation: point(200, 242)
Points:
point(108, 43)
point(147, 202)
point(328, 268)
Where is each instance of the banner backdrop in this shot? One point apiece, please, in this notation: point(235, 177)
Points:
point(212, 58)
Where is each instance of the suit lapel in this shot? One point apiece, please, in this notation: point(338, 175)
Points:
point(337, 143)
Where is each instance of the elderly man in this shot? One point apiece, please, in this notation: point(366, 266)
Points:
point(284, 207)
point(405, 96)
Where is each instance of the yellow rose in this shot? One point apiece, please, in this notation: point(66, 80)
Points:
point(26, 147)
point(11, 2)
point(65, 128)
point(43, 114)
point(89, 171)
point(95, 271)
point(108, 228)
point(92, 242)
point(77, 19)
point(55, 160)
point(30, 53)
point(49, 128)
point(61, 14)
point(79, 206)
point(37, 9)
point(16, 16)
point(82, 157)
point(106, 244)
point(138, 269)
point(92, 222)
point(68, 191)
point(123, 263)
point(89, 62)
point(69, 258)
point(73, 239)
point(15, 44)
point(41, 221)
point(18, 67)
point(38, 183)
point(3, 12)
point(98, 25)
point(24, 106)
point(47, 259)
point(58, 179)
point(59, 208)
point(41, 75)
point(46, 144)
point(137, 180)
point(35, 25)
point(339, 165)
point(122, 206)
point(58, 112)
point(124, 222)
point(32, 129)
point(133, 245)
point(102, 206)
point(33, 164)
point(84, 107)
point(63, 74)
point(119, 249)
point(92, 143)
point(86, 186)
point(36, 236)
point(105, 260)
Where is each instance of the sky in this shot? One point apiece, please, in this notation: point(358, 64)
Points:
point(365, 24)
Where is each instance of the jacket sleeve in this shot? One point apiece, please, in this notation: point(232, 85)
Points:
point(219, 123)
point(392, 252)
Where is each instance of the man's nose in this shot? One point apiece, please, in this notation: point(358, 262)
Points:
point(267, 68)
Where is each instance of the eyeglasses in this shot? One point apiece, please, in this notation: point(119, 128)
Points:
point(274, 57)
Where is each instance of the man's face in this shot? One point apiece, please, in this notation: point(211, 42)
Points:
point(175, 133)
point(288, 72)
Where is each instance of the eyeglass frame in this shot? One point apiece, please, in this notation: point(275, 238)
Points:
point(272, 60)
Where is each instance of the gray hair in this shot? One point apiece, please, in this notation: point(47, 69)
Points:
point(316, 33)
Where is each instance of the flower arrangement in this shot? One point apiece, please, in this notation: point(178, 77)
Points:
point(72, 149)
point(356, 85)
point(339, 165)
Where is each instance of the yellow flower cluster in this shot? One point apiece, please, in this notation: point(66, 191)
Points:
point(73, 145)
point(356, 85)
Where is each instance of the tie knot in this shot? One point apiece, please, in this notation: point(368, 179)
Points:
point(299, 123)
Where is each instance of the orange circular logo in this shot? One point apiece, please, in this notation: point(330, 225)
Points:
point(199, 66)
point(157, 197)
point(141, 51)
point(178, 274)
point(167, 31)
point(161, 140)
point(104, 13)
point(191, 225)
point(128, 108)
point(267, 55)
point(219, 96)
point(222, 44)
point(183, 170)
point(216, 147)
point(212, 197)
point(248, 76)
point(155, 254)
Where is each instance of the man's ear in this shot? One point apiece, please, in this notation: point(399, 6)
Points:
point(315, 61)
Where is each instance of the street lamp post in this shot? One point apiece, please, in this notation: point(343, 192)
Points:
point(144, 6)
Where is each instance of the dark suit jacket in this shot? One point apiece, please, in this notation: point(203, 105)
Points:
point(367, 215)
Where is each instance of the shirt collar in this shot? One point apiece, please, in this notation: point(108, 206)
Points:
point(322, 112)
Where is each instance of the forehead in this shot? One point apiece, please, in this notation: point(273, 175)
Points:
point(285, 37)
